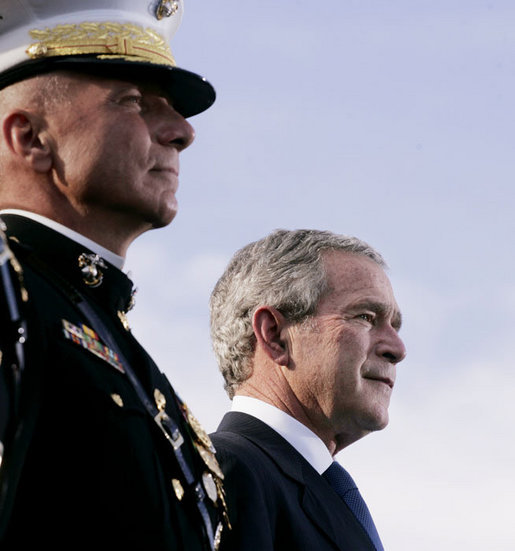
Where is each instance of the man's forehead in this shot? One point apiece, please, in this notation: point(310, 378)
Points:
point(116, 77)
point(356, 278)
point(116, 82)
point(353, 268)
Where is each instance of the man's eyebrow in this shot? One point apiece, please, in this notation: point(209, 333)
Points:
point(397, 320)
point(381, 309)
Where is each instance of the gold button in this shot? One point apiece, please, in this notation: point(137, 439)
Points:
point(160, 399)
point(178, 489)
point(117, 399)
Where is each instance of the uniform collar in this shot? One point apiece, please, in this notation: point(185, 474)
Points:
point(111, 257)
point(60, 254)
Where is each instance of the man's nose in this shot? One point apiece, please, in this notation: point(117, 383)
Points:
point(391, 347)
point(173, 129)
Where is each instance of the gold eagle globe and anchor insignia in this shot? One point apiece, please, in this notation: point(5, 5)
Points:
point(166, 8)
point(90, 265)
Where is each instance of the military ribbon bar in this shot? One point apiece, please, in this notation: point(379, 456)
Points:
point(87, 338)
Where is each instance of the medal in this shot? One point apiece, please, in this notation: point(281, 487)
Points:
point(210, 460)
point(210, 486)
point(197, 428)
point(221, 497)
point(218, 536)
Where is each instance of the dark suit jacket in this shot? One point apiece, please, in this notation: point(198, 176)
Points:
point(276, 500)
point(91, 469)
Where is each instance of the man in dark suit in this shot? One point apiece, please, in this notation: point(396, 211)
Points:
point(305, 328)
point(96, 449)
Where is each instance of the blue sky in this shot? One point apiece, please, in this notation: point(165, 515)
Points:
point(392, 121)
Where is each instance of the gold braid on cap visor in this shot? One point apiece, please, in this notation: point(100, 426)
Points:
point(107, 40)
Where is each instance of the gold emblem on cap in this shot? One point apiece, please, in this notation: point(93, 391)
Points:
point(178, 489)
point(117, 399)
point(107, 39)
point(166, 8)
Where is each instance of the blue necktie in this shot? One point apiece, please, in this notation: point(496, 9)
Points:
point(346, 488)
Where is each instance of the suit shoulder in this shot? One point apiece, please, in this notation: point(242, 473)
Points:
point(242, 459)
point(252, 484)
point(231, 446)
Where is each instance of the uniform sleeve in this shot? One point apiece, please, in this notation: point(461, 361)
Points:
point(12, 337)
point(12, 360)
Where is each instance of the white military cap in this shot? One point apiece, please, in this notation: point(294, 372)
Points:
point(129, 38)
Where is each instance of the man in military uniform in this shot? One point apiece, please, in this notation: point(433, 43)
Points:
point(97, 449)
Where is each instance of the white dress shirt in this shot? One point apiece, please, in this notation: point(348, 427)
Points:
point(306, 442)
point(106, 254)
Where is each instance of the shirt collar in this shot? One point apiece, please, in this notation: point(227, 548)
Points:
point(305, 441)
point(114, 259)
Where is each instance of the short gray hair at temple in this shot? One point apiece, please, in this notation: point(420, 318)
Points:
point(284, 270)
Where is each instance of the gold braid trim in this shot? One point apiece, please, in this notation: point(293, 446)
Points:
point(108, 40)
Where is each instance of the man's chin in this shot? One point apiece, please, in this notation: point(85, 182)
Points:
point(374, 420)
point(162, 219)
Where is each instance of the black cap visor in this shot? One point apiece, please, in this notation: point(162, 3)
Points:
point(190, 93)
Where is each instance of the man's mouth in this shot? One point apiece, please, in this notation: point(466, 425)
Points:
point(169, 169)
point(385, 380)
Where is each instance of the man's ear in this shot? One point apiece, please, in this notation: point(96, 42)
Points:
point(24, 136)
point(268, 324)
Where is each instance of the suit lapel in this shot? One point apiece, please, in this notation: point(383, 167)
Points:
point(318, 500)
point(325, 509)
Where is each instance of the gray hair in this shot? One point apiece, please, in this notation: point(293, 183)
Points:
point(284, 270)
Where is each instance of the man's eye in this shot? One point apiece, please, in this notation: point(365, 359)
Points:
point(369, 318)
point(135, 99)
